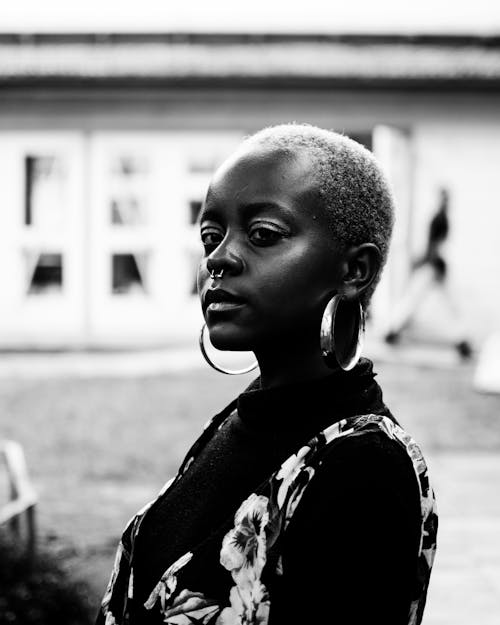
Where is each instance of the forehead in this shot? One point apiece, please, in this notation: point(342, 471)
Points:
point(260, 174)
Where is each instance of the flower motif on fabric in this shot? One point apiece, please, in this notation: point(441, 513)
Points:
point(243, 553)
point(110, 619)
point(293, 478)
point(289, 471)
point(167, 584)
point(190, 607)
point(248, 606)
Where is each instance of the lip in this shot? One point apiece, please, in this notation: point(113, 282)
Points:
point(220, 300)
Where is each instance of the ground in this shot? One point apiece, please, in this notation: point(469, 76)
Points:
point(99, 448)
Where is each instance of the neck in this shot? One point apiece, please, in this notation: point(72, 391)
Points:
point(280, 365)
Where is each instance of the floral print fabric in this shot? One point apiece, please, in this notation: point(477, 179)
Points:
point(258, 523)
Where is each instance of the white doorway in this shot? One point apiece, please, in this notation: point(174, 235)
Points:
point(42, 238)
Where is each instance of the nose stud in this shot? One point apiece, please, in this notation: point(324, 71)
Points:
point(214, 275)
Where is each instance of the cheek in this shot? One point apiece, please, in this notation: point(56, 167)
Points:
point(313, 272)
point(298, 290)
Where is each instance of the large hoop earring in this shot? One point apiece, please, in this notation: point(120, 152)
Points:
point(217, 367)
point(342, 350)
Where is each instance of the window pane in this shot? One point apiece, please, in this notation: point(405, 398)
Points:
point(44, 193)
point(44, 273)
point(129, 166)
point(128, 204)
point(129, 273)
point(127, 210)
point(194, 211)
point(194, 246)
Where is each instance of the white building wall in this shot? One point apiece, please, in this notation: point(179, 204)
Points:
point(451, 139)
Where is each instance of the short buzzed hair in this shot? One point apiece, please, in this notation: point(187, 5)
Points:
point(353, 190)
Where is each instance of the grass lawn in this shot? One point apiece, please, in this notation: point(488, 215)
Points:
point(98, 449)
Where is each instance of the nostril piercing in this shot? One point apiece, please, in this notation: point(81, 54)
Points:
point(214, 275)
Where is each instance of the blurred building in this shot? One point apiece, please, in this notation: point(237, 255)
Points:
point(107, 144)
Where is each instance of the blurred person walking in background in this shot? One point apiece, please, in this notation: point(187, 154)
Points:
point(303, 501)
point(430, 274)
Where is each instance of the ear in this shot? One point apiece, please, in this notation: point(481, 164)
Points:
point(362, 266)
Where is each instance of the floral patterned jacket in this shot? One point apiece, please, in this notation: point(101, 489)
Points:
point(247, 548)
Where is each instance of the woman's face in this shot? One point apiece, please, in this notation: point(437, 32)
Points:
point(262, 227)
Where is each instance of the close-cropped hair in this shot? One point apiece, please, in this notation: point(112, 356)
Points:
point(352, 188)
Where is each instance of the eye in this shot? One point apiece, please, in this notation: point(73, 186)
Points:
point(211, 237)
point(263, 235)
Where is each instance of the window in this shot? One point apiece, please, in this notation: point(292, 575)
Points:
point(44, 273)
point(129, 274)
point(128, 197)
point(194, 211)
point(130, 167)
point(44, 191)
point(200, 168)
point(193, 243)
point(127, 210)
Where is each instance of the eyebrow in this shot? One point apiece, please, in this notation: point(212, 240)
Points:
point(249, 210)
point(208, 213)
point(257, 207)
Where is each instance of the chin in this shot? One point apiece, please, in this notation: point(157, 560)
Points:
point(229, 339)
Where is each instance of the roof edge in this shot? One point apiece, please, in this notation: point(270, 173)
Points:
point(488, 40)
point(273, 83)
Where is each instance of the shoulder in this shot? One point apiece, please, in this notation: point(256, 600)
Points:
point(378, 450)
point(364, 486)
point(360, 516)
point(376, 441)
point(366, 472)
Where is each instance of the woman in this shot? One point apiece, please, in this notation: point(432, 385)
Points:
point(303, 501)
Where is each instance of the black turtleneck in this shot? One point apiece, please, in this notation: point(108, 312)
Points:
point(354, 535)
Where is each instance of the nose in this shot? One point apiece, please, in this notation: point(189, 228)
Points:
point(225, 258)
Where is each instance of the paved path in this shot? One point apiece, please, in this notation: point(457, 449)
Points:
point(465, 584)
